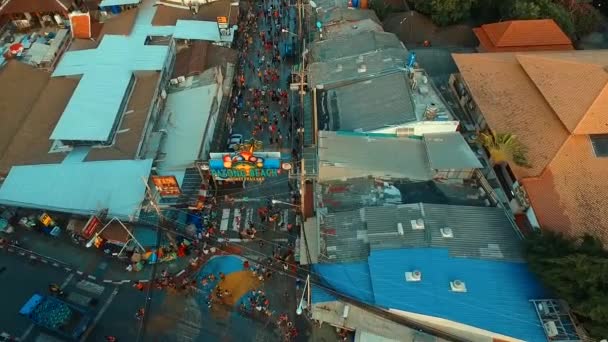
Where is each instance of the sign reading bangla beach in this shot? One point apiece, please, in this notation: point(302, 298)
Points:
point(246, 164)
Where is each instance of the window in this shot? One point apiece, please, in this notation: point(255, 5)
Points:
point(600, 144)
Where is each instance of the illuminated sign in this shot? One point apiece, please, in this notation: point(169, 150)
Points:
point(222, 23)
point(45, 219)
point(91, 227)
point(246, 164)
point(166, 185)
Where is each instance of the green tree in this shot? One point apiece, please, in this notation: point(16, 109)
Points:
point(577, 272)
point(504, 147)
point(540, 9)
point(445, 12)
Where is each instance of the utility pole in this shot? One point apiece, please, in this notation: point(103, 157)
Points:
point(152, 198)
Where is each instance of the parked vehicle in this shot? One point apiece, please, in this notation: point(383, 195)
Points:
point(234, 140)
point(56, 315)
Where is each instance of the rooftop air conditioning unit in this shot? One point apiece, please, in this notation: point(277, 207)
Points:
point(362, 68)
point(339, 68)
point(174, 81)
point(550, 329)
point(458, 286)
point(446, 232)
point(181, 79)
point(413, 276)
point(417, 224)
point(400, 229)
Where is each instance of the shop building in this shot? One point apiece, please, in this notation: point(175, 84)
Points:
point(551, 101)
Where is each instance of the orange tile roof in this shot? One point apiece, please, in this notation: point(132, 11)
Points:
point(522, 35)
point(511, 103)
point(570, 85)
point(551, 101)
point(570, 196)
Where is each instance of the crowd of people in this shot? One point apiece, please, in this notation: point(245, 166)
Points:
point(261, 99)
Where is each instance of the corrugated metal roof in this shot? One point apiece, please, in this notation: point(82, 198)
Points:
point(117, 52)
point(351, 279)
point(382, 226)
point(497, 297)
point(94, 107)
point(353, 155)
point(320, 295)
point(190, 110)
point(342, 14)
point(308, 123)
point(309, 157)
point(345, 237)
point(346, 70)
point(107, 3)
point(350, 194)
point(448, 151)
point(478, 232)
point(351, 28)
point(82, 188)
point(106, 73)
point(200, 30)
point(345, 46)
point(387, 102)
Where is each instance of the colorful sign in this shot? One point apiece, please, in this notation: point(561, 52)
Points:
point(91, 227)
point(222, 23)
point(46, 220)
point(166, 185)
point(245, 164)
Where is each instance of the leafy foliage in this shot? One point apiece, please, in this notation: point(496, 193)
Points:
point(577, 272)
point(575, 18)
point(504, 147)
point(445, 12)
point(540, 9)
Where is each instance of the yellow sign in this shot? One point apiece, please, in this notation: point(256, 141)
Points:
point(222, 20)
point(45, 219)
point(166, 185)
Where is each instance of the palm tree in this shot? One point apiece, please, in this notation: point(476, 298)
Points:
point(504, 147)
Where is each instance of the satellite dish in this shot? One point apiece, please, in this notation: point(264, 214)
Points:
point(312, 4)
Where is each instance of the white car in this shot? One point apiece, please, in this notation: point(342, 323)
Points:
point(234, 140)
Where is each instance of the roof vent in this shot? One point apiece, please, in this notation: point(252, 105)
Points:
point(458, 286)
point(415, 275)
point(446, 232)
point(417, 224)
point(362, 68)
point(551, 329)
point(400, 228)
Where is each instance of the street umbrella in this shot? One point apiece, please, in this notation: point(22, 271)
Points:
point(16, 48)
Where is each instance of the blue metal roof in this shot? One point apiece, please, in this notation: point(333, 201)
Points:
point(93, 108)
point(350, 279)
point(200, 30)
point(82, 188)
point(497, 297)
point(107, 70)
point(320, 295)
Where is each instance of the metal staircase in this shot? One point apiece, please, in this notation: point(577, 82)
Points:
point(190, 187)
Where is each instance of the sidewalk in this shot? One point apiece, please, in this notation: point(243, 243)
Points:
point(91, 263)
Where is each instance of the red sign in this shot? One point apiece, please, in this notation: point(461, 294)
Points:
point(91, 227)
